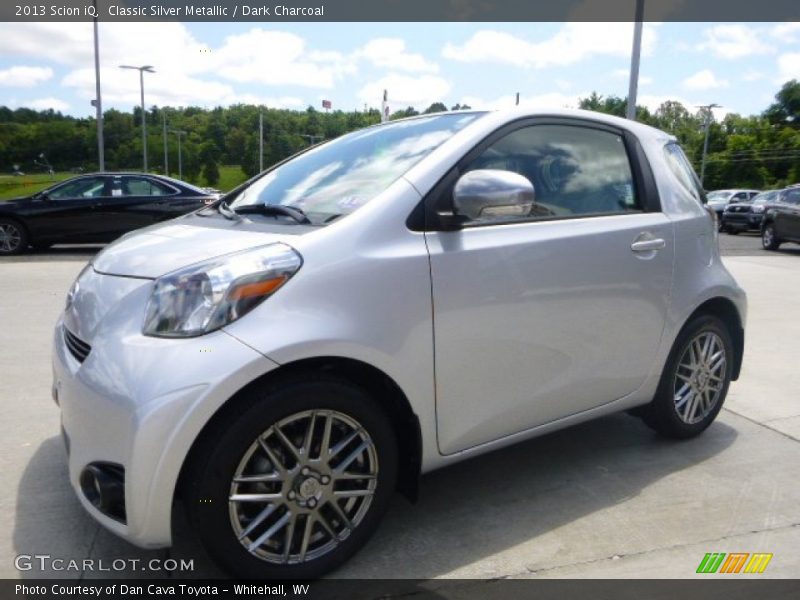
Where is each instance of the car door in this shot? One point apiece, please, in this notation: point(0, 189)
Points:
point(133, 201)
point(788, 220)
point(65, 213)
point(547, 316)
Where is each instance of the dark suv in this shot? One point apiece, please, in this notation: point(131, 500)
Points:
point(747, 215)
point(782, 219)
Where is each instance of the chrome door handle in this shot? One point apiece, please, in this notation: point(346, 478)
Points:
point(648, 245)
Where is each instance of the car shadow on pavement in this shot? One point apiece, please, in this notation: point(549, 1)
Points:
point(77, 253)
point(469, 512)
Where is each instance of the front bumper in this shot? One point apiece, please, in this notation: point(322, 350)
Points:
point(140, 402)
point(742, 221)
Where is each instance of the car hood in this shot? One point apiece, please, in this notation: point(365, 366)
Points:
point(161, 249)
point(14, 203)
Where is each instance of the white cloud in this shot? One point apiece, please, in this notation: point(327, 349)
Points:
point(405, 90)
point(278, 58)
point(787, 32)
point(752, 76)
point(788, 67)
point(733, 41)
point(704, 80)
point(20, 76)
point(572, 43)
point(47, 103)
point(391, 53)
point(625, 74)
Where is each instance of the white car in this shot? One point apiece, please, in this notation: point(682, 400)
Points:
point(388, 303)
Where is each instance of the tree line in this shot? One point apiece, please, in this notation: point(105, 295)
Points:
point(759, 151)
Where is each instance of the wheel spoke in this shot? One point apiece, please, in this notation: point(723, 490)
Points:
point(254, 497)
point(258, 478)
point(276, 464)
point(287, 442)
point(341, 445)
point(306, 536)
point(309, 436)
point(260, 518)
point(276, 527)
point(326, 436)
point(340, 468)
point(287, 544)
point(352, 493)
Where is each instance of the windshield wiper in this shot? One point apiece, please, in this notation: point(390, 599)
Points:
point(274, 209)
point(227, 212)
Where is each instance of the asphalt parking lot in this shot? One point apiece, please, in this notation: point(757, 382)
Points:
point(604, 499)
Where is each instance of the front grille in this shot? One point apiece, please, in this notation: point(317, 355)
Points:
point(76, 346)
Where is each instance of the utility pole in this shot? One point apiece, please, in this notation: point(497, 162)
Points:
point(179, 133)
point(164, 135)
point(517, 99)
point(260, 142)
point(101, 160)
point(707, 125)
point(633, 84)
point(142, 70)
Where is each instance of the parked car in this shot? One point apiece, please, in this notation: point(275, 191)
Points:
point(719, 199)
point(747, 215)
point(93, 208)
point(382, 305)
point(782, 219)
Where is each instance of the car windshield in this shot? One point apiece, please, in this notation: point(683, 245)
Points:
point(339, 177)
point(718, 196)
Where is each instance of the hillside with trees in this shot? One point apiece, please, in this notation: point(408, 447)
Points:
point(759, 151)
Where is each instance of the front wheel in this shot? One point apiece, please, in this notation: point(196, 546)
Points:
point(294, 483)
point(695, 380)
point(768, 238)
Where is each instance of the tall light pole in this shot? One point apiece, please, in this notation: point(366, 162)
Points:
point(98, 103)
point(633, 84)
point(142, 70)
point(260, 141)
point(179, 133)
point(707, 125)
point(164, 135)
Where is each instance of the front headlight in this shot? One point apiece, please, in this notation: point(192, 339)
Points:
point(206, 296)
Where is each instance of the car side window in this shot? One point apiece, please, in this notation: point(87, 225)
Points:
point(86, 187)
point(144, 186)
point(740, 196)
point(682, 169)
point(792, 197)
point(575, 171)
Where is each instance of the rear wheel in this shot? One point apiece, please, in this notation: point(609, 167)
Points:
point(13, 237)
point(768, 238)
point(295, 482)
point(695, 380)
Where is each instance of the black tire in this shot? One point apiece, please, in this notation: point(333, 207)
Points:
point(733, 231)
point(13, 237)
point(662, 414)
point(228, 442)
point(768, 238)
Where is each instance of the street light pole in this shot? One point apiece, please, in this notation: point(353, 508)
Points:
point(179, 133)
point(164, 135)
point(260, 142)
point(707, 125)
point(633, 84)
point(142, 70)
point(101, 160)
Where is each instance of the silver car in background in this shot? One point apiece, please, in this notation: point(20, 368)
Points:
point(388, 303)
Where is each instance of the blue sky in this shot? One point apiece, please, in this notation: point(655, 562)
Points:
point(739, 66)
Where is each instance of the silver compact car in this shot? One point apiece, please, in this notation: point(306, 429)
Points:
point(384, 304)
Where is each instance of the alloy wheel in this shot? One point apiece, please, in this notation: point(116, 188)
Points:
point(303, 486)
point(767, 237)
point(10, 238)
point(700, 377)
